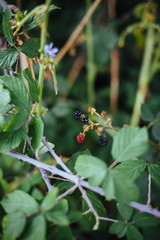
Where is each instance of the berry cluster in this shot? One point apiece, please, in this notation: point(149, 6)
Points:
point(88, 124)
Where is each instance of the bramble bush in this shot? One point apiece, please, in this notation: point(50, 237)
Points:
point(113, 193)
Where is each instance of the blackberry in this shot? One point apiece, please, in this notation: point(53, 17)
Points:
point(103, 141)
point(76, 115)
point(84, 119)
point(80, 137)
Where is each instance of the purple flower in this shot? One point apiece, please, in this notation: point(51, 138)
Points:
point(52, 51)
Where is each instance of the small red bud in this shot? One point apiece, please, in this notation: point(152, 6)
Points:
point(80, 137)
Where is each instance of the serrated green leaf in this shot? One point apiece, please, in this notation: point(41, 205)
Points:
point(8, 57)
point(98, 206)
point(9, 141)
point(91, 167)
point(64, 233)
point(156, 131)
point(13, 225)
point(37, 229)
point(129, 143)
point(133, 233)
point(7, 26)
point(16, 122)
point(145, 220)
point(49, 200)
point(118, 228)
point(62, 206)
point(36, 194)
point(125, 210)
point(33, 86)
point(154, 171)
point(146, 113)
point(57, 217)
point(18, 92)
point(31, 47)
point(36, 128)
point(74, 216)
point(4, 100)
point(132, 168)
point(19, 201)
point(119, 186)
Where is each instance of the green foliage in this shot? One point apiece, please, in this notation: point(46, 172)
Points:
point(37, 229)
point(129, 143)
point(133, 233)
point(8, 57)
point(13, 225)
point(16, 122)
point(144, 220)
point(156, 130)
point(18, 92)
point(120, 187)
point(50, 200)
point(91, 167)
point(7, 26)
point(19, 201)
point(58, 218)
point(125, 210)
point(132, 168)
point(31, 47)
point(4, 102)
point(9, 141)
point(146, 113)
point(118, 228)
point(154, 171)
point(36, 129)
point(33, 86)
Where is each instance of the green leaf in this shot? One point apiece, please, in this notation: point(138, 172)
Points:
point(57, 217)
point(75, 216)
point(154, 171)
point(119, 186)
point(17, 121)
point(156, 131)
point(50, 200)
point(13, 225)
point(62, 206)
point(125, 210)
point(37, 229)
point(132, 168)
point(146, 113)
point(71, 163)
point(3, 182)
point(9, 141)
point(43, 149)
point(8, 57)
point(145, 220)
point(36, 128)
point(18, 92)
point(19, 201)
point(36, 194)
point(33, 86)
point(91, 167)
point(118, 228)
point(64, 233)
point(7, 26)
point(31, 47)
point(98, 206)
point(4, 100)
point(129, 143)
point(133, 233)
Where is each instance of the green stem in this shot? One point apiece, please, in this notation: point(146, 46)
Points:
point(43, 42)
point(90, 62)
point(144, 76)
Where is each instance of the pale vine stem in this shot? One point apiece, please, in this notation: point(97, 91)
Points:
point(80, 182)
point(149, 190)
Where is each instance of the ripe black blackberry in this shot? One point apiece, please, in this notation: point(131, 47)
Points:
point(76, 115)
point(84, 119)
point(103, 141)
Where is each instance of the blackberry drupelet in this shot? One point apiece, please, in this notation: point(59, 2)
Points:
point(76, 115)
point(84, 119)
point(103, 141)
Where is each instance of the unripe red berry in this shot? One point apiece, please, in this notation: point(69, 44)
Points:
point(80, 137)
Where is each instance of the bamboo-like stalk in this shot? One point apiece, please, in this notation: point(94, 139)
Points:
point(144, 76)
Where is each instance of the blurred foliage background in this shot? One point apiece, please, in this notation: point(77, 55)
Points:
point(95, 72)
